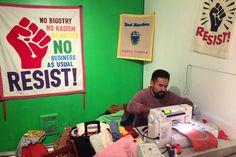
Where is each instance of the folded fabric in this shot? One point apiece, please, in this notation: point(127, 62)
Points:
point(124, 147)
point(115, 108)
point(123, 132)
point(111, 117)
point(37, 134)
point(34, 150)
point(115, 131)
point(31, 137)
point(131, 131)
point(222, 135)
point(101, 140)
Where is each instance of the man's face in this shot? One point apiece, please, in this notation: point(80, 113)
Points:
point(159, 87)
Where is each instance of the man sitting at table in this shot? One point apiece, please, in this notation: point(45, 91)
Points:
point(156, 95)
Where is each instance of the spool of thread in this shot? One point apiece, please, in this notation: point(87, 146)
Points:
point(178, 148)
point(166, 111)
point(171, 151)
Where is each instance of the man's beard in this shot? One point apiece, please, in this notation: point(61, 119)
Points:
point(159, 95)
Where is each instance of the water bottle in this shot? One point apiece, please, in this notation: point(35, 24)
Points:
point(195, 113)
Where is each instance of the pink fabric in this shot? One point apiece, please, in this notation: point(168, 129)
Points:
point(124, 147)
point(222, 135)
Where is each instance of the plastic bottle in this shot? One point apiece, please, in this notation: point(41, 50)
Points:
point(195, 113)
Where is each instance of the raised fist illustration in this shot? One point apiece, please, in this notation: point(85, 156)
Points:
point(30, 42)
point(217, 14)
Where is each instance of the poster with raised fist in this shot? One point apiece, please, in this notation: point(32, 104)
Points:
point(214, 28)
point(40, 51)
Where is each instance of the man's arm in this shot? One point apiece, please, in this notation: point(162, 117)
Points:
point(175, 100)
point(136, 104)
point(144, 109)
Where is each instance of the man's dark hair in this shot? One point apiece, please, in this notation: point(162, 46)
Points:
point(160, 73)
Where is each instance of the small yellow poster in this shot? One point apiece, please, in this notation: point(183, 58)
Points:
point(136, 36)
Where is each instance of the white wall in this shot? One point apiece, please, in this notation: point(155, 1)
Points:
point(212, 81)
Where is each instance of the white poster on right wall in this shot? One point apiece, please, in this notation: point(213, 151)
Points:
point(214, 27)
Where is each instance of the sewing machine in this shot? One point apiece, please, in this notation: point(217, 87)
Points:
point(160, 122)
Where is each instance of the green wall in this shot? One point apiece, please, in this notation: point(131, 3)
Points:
point(108, 80)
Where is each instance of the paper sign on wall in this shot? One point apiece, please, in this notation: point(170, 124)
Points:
point(136, 37)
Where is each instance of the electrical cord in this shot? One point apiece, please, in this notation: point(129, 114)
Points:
point(164, 151)
point(188, 80)
point(189, 74)
point(143, 135)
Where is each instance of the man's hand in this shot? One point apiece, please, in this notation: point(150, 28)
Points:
point(144, 109)
point(30, 43)
point(217, 14)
